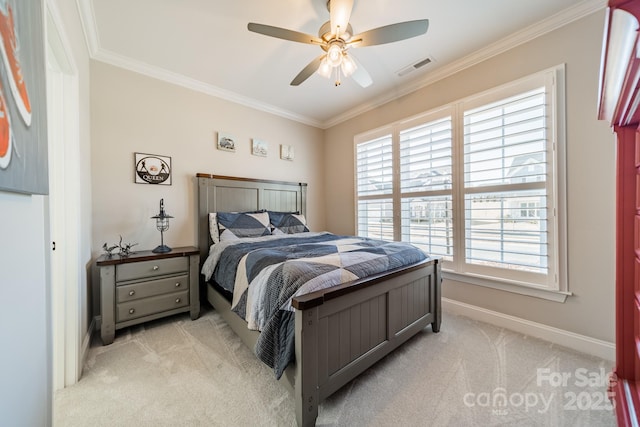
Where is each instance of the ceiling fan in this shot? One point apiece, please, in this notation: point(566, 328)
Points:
point(335, 37)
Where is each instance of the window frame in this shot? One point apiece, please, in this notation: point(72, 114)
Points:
point(554, 287)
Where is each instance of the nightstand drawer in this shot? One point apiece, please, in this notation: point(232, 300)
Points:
point(143, 307)
point(152, 288)
point(145, 269)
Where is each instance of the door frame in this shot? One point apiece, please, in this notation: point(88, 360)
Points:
point(64, 202)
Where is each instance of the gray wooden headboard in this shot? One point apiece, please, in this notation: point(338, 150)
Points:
point(232, 194)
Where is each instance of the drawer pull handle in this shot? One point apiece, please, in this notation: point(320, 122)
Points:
point(155, 268)
point(177, 299)
point(178, 285)
point(132, 293)
point(132, 310)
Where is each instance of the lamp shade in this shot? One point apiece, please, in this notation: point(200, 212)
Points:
point(334, 55)
point(348, 65)
point(325, 69)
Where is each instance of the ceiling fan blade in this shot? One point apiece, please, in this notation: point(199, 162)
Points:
point(360, 75)
point(308, 70)
point(390, 33)
point(340, 12)
point(282, 33)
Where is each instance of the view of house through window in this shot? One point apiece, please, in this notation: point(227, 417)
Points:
point(474, 182)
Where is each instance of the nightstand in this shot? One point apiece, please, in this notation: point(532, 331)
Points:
point(146, 286)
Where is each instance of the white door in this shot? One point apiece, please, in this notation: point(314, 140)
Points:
point(64, 206)
point(57, 229)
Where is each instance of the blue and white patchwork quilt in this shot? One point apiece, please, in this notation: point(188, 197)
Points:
point(265, 273)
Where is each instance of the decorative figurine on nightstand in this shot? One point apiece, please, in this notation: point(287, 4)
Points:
point(108, 250)
point(162, 224)
point(125, 250)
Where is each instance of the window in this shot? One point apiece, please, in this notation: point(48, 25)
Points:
point(375, 186)
point(475, 183)
point(425, 186)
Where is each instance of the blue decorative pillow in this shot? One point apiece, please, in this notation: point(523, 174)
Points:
point(232, 225)
point(287, 223)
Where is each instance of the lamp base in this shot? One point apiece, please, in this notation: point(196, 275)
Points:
point(161, 249)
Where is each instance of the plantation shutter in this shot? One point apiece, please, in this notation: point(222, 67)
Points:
point(374, 188)
point(505, 183)
point(425, 187)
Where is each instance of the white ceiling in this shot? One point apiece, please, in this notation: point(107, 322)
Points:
point(205, 45)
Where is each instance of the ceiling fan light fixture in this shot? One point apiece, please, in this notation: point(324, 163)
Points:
point(334, 55)
point(335, 37)
point(325, 69)
point(348, 65)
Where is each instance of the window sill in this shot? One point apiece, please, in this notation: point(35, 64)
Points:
point(517, 288)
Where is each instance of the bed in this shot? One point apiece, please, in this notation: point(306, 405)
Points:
point(338, 332)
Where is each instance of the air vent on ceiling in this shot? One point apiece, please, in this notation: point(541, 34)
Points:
point(415, 66)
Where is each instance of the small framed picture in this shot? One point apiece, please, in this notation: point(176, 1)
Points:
point(286, 152)
point(259, 147)
point(152, 169)
point(226, 142)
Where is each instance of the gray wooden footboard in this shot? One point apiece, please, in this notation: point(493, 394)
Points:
point(342, 332)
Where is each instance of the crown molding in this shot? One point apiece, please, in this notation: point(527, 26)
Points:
point(140, 67)
point(96, 52)
point(89, 25)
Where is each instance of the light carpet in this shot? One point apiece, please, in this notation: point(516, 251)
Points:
point(178, 372)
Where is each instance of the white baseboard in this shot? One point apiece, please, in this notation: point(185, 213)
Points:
point(582, 343)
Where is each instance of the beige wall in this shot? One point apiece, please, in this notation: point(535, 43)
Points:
point(590, 166)
point(133, 113)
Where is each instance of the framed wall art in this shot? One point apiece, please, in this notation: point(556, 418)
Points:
point(24, 166)
point(226, 142)
point(259, 147)
point(152, 169)
point(286, 152)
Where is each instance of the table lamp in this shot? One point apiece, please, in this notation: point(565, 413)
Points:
point(162, 224)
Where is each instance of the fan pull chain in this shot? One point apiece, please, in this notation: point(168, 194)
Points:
point(338, 82)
